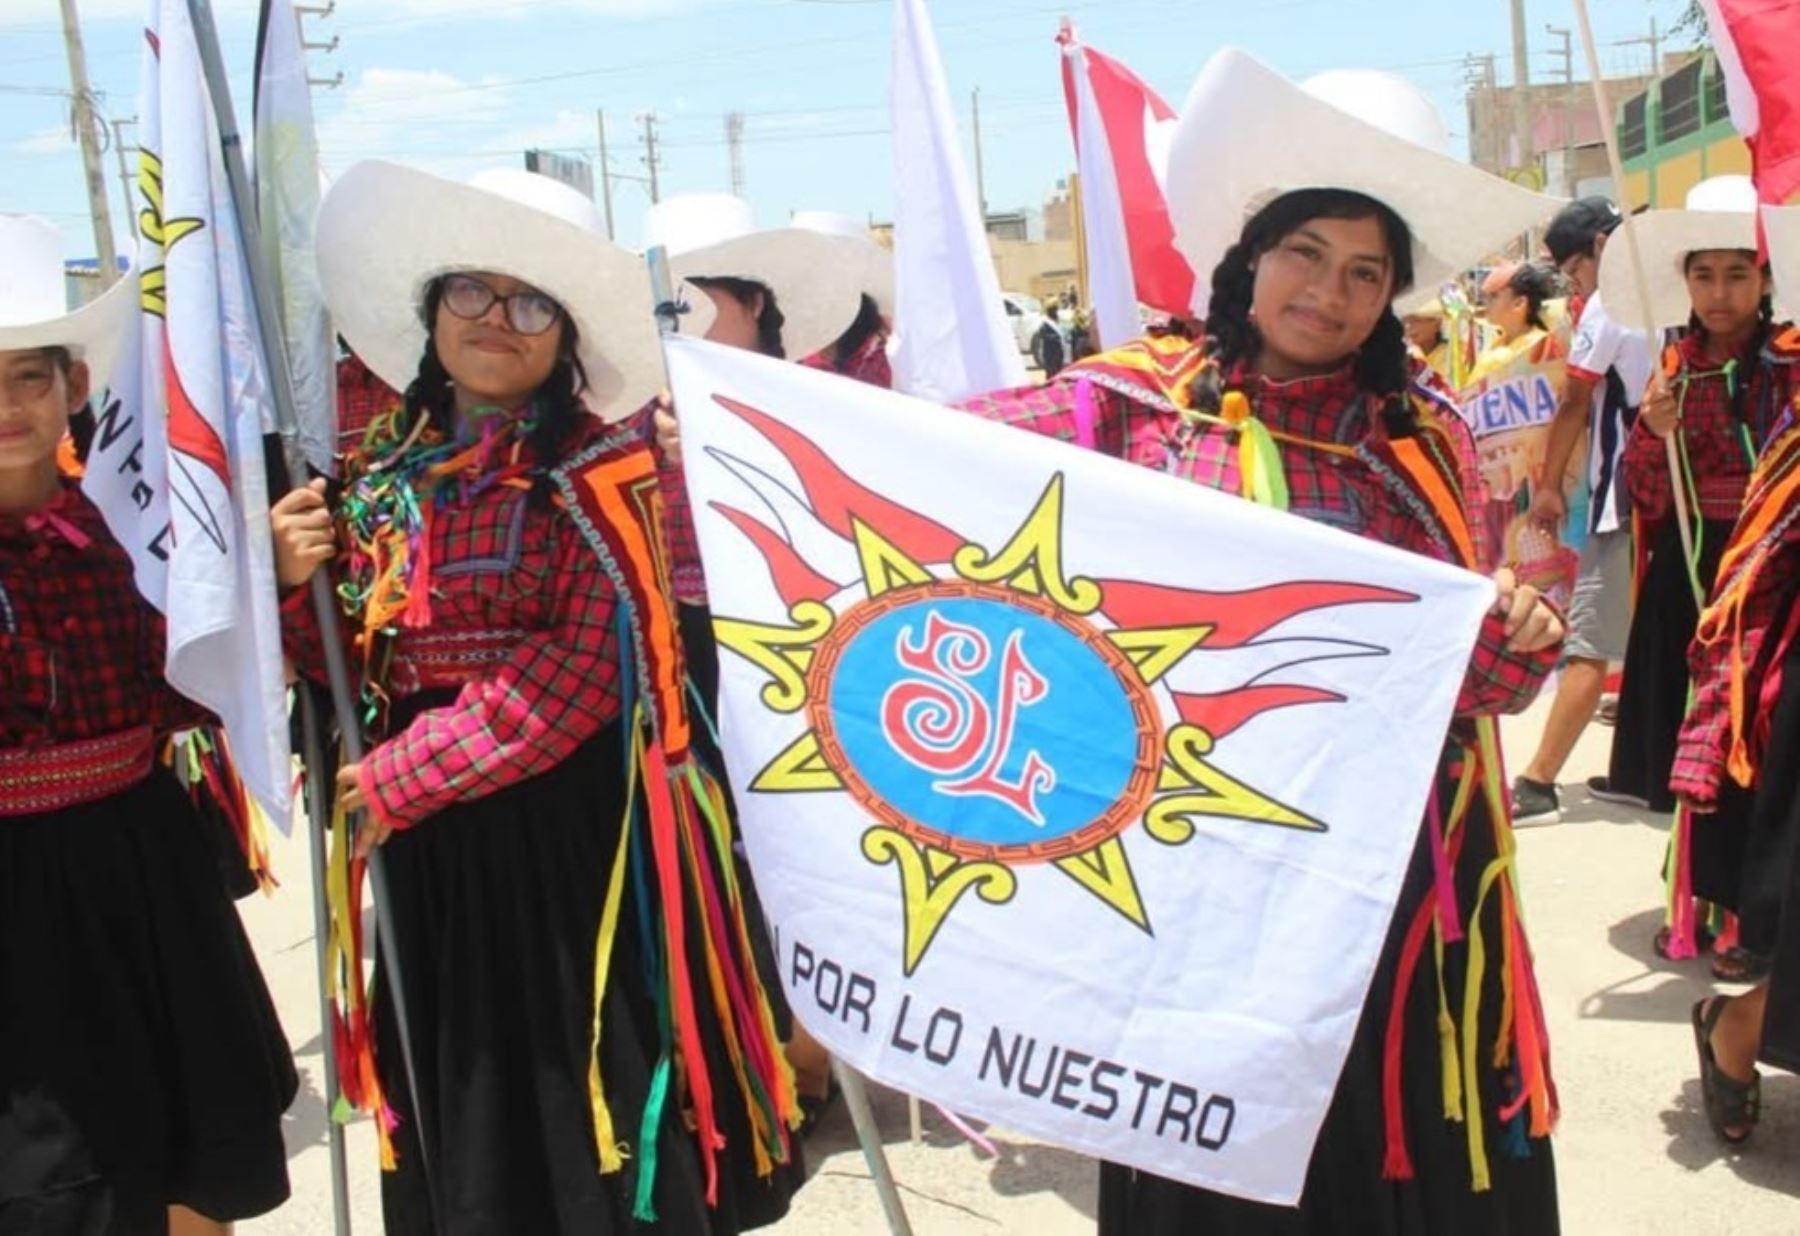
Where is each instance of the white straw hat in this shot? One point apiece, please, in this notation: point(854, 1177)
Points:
point(386, 231)
point(34, 305)
point(1781, 225)
point(1247, 135)
point(1720, 214)
point(714, 235)
point(876, 260)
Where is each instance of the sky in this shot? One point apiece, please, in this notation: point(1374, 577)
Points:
point(455, 86)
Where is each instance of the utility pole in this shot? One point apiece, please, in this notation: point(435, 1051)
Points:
point(1567, 103)
point(1521, 102)
point(605, 173)
point(980, 176)
point(1481, 74)
point(301, 13)
point(650, 156)
point(89, 129)
point(1654, 42)
point(118, 132)
point(734, 145)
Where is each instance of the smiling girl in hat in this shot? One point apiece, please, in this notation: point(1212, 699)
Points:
point(1304, 356)
point(1742, 736)
point(591, 1046)
point(1720, 390)
point(1443, 1107)
point(144, 1073)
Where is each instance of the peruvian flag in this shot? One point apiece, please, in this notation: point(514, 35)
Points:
point(1122, 132)
point(1756, 42)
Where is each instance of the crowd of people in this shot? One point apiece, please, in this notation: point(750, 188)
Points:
point(594, 1024)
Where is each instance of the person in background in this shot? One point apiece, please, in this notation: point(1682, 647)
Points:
point(1609, 369)
point(1050, 346)
point(144, 1072)
point(1425, 333)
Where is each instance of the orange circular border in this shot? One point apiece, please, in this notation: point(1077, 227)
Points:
point(1138, 789)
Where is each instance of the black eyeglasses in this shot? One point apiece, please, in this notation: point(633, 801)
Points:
point(529, 313)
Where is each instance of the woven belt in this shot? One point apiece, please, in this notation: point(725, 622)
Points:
point(38, 779)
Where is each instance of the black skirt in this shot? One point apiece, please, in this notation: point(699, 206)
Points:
point(141, 1062)
point(1653, 696)
point(1345, 1193)
point(496, 906)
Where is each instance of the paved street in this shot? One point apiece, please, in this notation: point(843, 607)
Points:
point(1634, 1153)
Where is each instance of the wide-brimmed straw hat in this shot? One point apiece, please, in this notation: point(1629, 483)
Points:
point(875, 261)
point(34, 304)
point(1720, 213)
point(714, 235)
point(1248, 135)
point(386, 232)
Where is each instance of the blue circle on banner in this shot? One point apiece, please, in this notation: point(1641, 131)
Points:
point(984, 721)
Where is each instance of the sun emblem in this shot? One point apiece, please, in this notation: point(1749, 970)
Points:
point(991, 710)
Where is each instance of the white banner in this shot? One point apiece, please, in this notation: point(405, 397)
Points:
point(177, 461)
point(1079, 796)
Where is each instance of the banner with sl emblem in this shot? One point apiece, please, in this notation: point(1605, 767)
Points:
point(1079, 796)
point(1509, 401)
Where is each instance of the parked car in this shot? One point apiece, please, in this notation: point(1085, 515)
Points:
point(1024, 314)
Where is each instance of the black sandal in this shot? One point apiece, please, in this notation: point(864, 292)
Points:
point(1739, 965)
point(1730, 1104)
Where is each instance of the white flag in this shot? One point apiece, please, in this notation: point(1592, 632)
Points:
point(177, 460)
point(950, 332)
point(1111, 288)
point(1079, 796)
point(287, 199)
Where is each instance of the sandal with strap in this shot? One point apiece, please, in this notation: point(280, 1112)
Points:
point(1730, 1103)
point(1739, 965)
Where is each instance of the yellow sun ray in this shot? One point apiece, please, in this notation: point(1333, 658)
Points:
point(785, 653)
point(1105, 871)
point(932, 882)
point(800, 769)
point(1157, 650)
point(1201, 789)
point(1033, 560)
point(885, 566)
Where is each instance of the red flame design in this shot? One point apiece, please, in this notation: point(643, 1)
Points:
point(1227, 711)
point(794, 580)
point(1237, 617)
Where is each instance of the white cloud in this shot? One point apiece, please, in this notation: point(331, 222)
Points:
point(54, 140)
point(47, 12)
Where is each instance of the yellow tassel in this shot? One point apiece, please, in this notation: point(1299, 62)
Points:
point(1448, 1057)
point(607, 1146)
point(1480, 1180)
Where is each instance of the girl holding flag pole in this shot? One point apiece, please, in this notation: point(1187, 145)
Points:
point(144, 1072)
point(1302, 394)
point(594, 1047)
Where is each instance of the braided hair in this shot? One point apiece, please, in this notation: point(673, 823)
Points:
point(744, 291)
point(866, 326)
point(1383, 365)
point(557, 410)
point(1765, 326)
point(1537, 282)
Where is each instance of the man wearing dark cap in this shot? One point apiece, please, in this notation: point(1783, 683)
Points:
point(1608, 371)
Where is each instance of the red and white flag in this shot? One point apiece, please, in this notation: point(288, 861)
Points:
point(1122, 131)
point(1756, 41)
point(177, 460)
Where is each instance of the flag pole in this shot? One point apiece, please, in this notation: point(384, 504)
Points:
point(1609, 130)
point(856, 1096)
point(206, 38)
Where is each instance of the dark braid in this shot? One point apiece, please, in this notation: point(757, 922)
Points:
point(745, 291)
point(556, 405)
point(864, 328)
point(1383, 363)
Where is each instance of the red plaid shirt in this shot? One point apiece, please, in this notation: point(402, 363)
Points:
point(522, 625)
point(1323, 487)
point(869, 364)
point(1704, 744)
point(81, 653)
point(1721, 444)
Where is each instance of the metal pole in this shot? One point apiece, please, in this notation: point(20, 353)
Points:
point(1568, 102)
point(1609, 130)
point(118, 131)
point(605, 173)
point(856, 1096)
point(980, 175)
point(318, 801)
point(88, 130)
point(337, 672)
